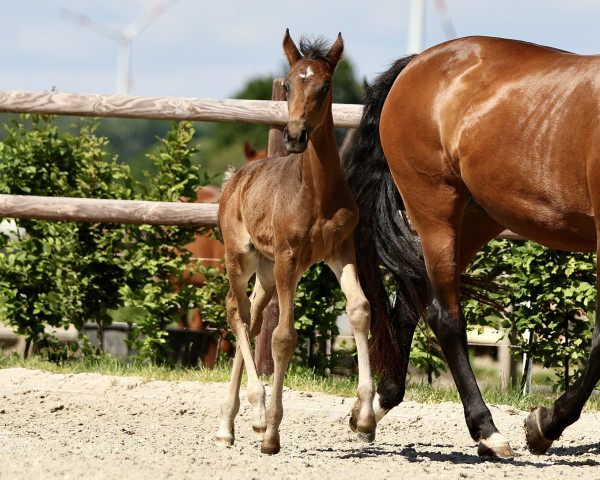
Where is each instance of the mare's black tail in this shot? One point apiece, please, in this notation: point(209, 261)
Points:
point(383, 237)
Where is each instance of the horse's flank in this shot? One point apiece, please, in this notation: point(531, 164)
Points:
point(513, 122)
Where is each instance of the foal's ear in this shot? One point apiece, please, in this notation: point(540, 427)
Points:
point(290, 49)
point(335, 52)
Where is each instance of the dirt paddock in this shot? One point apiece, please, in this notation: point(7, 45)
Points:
point(89, 426)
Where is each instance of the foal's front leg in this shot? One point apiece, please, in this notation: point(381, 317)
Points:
point(284, 342)
point(359, 314)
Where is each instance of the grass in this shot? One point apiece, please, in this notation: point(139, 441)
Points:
point(297, 378)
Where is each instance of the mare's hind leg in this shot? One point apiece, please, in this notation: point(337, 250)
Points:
point(544, 425)
point(390, 390)
point(440, 233)
point(359, 314)
point(477, 229)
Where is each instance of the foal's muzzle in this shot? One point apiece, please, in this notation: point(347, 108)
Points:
point(295, 136)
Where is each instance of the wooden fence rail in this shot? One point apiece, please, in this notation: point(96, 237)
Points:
point(266, 112)
point(109, 211)
point(158, 108)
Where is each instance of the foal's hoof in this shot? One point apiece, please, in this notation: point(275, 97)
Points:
point(352, 422)
point(269, 449)
point(259, 432)
point(225, 441)
point(366, 437)
point(366, 432)
point(536, 442)
point(496, 446)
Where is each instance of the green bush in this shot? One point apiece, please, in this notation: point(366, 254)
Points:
point(59, 272)
point(318, 303)
point(66, 273)
point(551, 293)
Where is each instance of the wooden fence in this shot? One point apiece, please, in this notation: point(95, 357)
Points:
point(157, 108)
point(271, 112)
point(268, 112)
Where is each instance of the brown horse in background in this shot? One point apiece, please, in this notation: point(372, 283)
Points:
point(210, 253)
point(278, 216)
point(467, 139)
point(252, 154)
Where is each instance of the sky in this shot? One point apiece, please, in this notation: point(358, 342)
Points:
point(211, 48)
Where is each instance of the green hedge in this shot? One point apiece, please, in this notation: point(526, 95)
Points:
point(66, 273)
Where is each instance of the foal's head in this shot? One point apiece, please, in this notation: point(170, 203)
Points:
point(308, 87)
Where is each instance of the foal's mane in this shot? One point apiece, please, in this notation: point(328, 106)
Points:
point(314, 49)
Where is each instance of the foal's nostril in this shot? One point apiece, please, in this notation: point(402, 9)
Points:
point(303, 136)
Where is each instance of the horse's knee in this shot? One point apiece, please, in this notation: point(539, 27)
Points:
point(284, 343)
point(446, 327)
point(359, 311)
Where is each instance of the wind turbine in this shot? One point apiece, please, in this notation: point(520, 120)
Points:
point(416, 27)
point(123, 37)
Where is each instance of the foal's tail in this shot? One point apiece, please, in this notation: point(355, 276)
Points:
point(383, 237)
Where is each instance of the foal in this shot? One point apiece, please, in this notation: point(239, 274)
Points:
point(278, 217)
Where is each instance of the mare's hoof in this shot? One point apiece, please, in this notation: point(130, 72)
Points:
point(496, 446)
point(366, 437)
point(504, 451)
point(536, 442)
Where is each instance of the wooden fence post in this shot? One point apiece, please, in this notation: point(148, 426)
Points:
point(263, 354)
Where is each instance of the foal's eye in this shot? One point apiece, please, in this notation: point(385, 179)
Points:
point(286, 88)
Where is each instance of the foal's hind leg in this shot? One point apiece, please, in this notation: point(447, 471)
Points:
point(238, 315)
point(359, 314)
point(264, 288)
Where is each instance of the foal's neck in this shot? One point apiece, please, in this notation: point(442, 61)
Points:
point(321, 160)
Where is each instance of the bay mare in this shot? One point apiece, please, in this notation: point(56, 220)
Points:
point(467, 139)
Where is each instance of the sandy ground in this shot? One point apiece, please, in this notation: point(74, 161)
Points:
point(90, 426)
